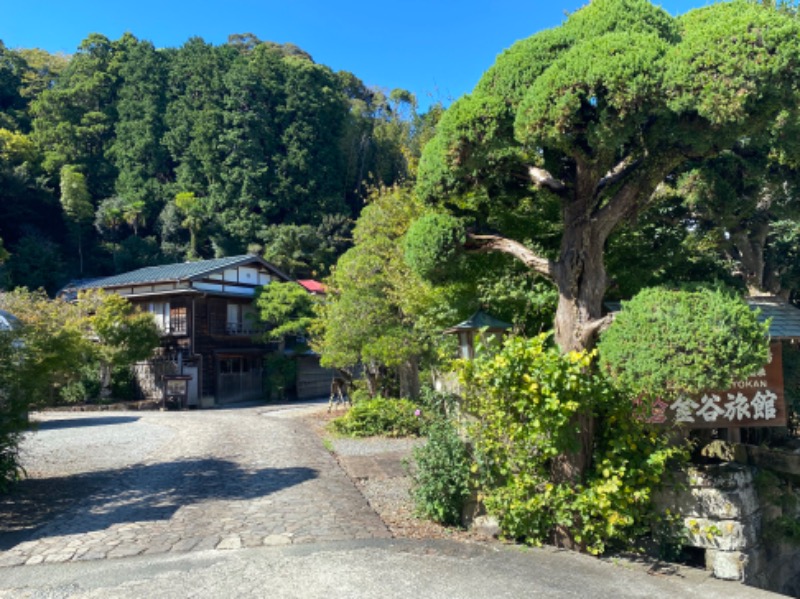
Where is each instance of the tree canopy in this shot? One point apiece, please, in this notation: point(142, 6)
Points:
point(567, 138)
point(583, 122)
point(258, 133)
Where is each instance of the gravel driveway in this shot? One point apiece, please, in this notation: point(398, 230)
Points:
point(117, 484)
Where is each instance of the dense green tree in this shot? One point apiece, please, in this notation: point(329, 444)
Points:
point(287, 308)
point(257, 131)
point(35, 262)
point(305, 251)
point(74, 120)
point(77, 203)
point(42, 70)
point(591, 117)
point(25, 203)
point(192, 209)
point(244, 197)
point(12, 104)
point(137, 151)
point(195, 112)
point(293, 249)
point(377, 312)
point(596, 113)
point(310, 162)
point(124, 335)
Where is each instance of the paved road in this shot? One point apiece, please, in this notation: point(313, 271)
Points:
point(162, 482)
point(367, 569)
point(248, 503)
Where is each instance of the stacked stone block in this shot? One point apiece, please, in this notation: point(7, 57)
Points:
point(720, 509)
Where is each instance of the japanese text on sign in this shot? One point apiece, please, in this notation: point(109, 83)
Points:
point(758, 401)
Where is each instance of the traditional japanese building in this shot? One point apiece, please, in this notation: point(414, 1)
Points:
point(208, 323)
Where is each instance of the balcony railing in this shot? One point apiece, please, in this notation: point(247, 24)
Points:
point(244, 328)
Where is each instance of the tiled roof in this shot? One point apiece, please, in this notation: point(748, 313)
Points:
point(785, 317)
point(169, 272)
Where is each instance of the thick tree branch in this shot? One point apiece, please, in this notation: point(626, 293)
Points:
point(592, 329)
point(637, 191)
point(541, 178)
point(496, 243)
point(618, 172)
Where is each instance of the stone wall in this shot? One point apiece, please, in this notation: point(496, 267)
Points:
point(731, 510)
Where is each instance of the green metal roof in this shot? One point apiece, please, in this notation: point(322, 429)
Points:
point(785, 317)
point(479, 320)
point(174, 272)
point(785, 323)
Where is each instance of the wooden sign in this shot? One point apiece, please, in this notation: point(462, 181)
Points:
point(755, 402)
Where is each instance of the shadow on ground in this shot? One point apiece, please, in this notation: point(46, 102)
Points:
point(133, 494)
point(47, 425)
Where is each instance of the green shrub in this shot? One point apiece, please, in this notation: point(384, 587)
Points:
point(666, 342)
point(381, 416)
point(123, 383)
point(441, 480)
point(358, 393)
point(281, 376)
point(525, 400)
point(13, 411)
point(437, 403)
point(10, 468)
point(433, 244)
point(86, 388)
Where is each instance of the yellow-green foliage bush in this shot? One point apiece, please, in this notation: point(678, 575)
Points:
point(381, 416)
point(525, 399)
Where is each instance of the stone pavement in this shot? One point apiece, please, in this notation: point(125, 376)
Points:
point(221, 479)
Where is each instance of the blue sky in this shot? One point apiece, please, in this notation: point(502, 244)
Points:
point(438, 50)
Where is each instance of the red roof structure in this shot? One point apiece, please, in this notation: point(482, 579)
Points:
point(312, 286)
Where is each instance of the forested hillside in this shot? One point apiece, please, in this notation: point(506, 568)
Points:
point(124, 155)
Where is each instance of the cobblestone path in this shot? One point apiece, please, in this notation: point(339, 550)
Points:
point(158, 482)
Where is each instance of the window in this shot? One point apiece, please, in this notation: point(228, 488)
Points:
point(160, 311)
point(234, 322)
point(232, 365)
point(177, 318)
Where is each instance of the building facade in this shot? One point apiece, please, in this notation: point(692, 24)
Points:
point(211, 336)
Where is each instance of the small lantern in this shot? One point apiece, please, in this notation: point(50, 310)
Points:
point(480, 326)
